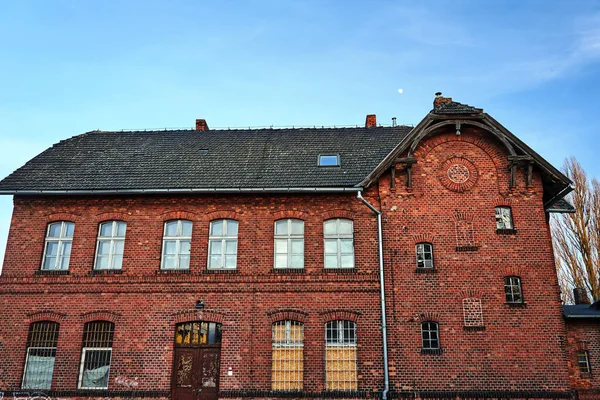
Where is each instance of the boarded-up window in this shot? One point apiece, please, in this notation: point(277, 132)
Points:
point(340, 356)
point(472, 312)
point(41, 351)
point(287, 369)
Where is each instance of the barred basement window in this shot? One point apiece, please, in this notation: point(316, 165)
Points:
point(289, 243)
point(340, 356)
point(472, 312)
point(41, 351)
point(111, 241)
point(177, 240)
point(339, 243)
point(57, 251)
point(512, 289)
point(424, 255)
point(96, 354)
point(504, 218)
point(430, 332)
point(287, 368)
point(222, 244)
point(583, 362)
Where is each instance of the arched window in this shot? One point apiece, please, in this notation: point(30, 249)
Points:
point(340, 356)
point(222, 244)
point(289, 243)
point(430, 332)
point(96, 354)
point(41, 351)
point(424, 256)
point(513, 290)
point(287, 365)
point(197, 333)
point(177, 241)
point(111, 242)
point(339, 243)
point(57, 249)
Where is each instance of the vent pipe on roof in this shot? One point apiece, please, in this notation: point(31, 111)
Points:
point(201, 125)
point(580, 296)
point(371, 121)
point(393, 121)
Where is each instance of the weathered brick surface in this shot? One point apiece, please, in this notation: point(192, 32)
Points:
point(584, 335)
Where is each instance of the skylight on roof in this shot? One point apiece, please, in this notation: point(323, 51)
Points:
point(329, 160)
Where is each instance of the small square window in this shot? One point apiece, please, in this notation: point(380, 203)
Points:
point(329, 160)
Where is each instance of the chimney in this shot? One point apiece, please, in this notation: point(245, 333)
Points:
point(393, 121)
point(439, 100)
point(580, 296)
point(201, 125)
point(371, 121)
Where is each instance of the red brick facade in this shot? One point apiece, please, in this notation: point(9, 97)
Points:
point(518, 348)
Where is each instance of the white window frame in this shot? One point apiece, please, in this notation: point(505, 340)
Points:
point(112, 240)
point(338, 237)
point(83, 358)
point(501, 213)
point(288, 237)
point(61, 240)
point(178, 239)
point(27, 367)
point(421, 250)
point(224, 238)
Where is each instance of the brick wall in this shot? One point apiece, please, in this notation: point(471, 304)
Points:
point(584, 335)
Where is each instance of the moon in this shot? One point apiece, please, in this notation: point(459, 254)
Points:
point(400, 91)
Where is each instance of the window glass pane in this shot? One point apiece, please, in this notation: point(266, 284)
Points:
point(170, 247)
point(54, 230)
point(330, 227)
point(281, 261)
point(52, 249)
point(214, 261)
point(121, 227)
point(297, 246)
point(347, 261)
point(118, 246)
point(117, 262)
point(66, 248)
point(297, 262)
point(232, 228)
point(231, 247)
point(64, 264)
point(281, 227)
point(345, 227)
point(168, 262)
point(331, 246)
point(184, 247)
point(106, 229)
point(215, 247)
point(102, 262)
point(39, 368)
point(328, 160)
point(50, 262)
point(331, 261)
point(230, 261)
point(216, 228)
point(96, 367)
point(104, 247)
point(281, 246)
point(69, 228)
point(171, 229)
point(297, 227)
point(184, 262)
point(346, 246)
point(186, 228)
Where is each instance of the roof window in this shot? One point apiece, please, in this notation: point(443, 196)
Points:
point(329, 160)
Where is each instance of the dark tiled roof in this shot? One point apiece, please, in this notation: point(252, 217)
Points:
point(561, 206)
point(454, 107)
point(581, 311)
point(260, 158)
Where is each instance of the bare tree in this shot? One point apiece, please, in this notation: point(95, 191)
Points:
point(577, 236)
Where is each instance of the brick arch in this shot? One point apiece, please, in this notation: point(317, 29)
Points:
point(287, 314)
point(331, 214)
point(46, 316)
point(503, 201)
point(174, 215)
point(104, 315)
point(111, 216)
point(470, 294)
point(581, 345)
point(427, 317)
point(62, 216)
point(197, 315)
point(513, 271)
point(223, 214)
point(463, 215)
point(289, 214)
point(335, 315)
point(423, 238)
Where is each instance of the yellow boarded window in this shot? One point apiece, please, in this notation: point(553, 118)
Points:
point(340, 356)
point(287, 366)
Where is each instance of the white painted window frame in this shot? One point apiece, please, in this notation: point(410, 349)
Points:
point(83, 355)
point(289, 237)
point(112, 239)
point(224, 238)
point(338, 237)
point(61, 240)
point(178, 239)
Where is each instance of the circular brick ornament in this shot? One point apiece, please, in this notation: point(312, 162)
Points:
point(458, 174)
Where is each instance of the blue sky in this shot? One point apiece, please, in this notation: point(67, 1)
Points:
point(68, 67)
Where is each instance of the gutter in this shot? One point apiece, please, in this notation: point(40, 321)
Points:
point(386, 373)
point(200, 190)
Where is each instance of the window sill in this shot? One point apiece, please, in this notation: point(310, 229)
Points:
point(426, 271)
point(221, 271)
point(340, 270)
point(287, 271)
point(474, 328)
point(522, 304)
point(95, 272)
point(506, 231)
point(432, 351)
point(52, 272)
point(466, 248)
point(172, 271)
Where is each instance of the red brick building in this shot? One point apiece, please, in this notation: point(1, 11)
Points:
point(208, 264)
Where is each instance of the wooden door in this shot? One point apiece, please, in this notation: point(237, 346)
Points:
point(209, 361)
point(185, 374)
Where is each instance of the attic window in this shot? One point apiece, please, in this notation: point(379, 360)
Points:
point(329, 160)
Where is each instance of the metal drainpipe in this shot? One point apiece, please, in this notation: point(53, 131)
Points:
point(386, 374)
